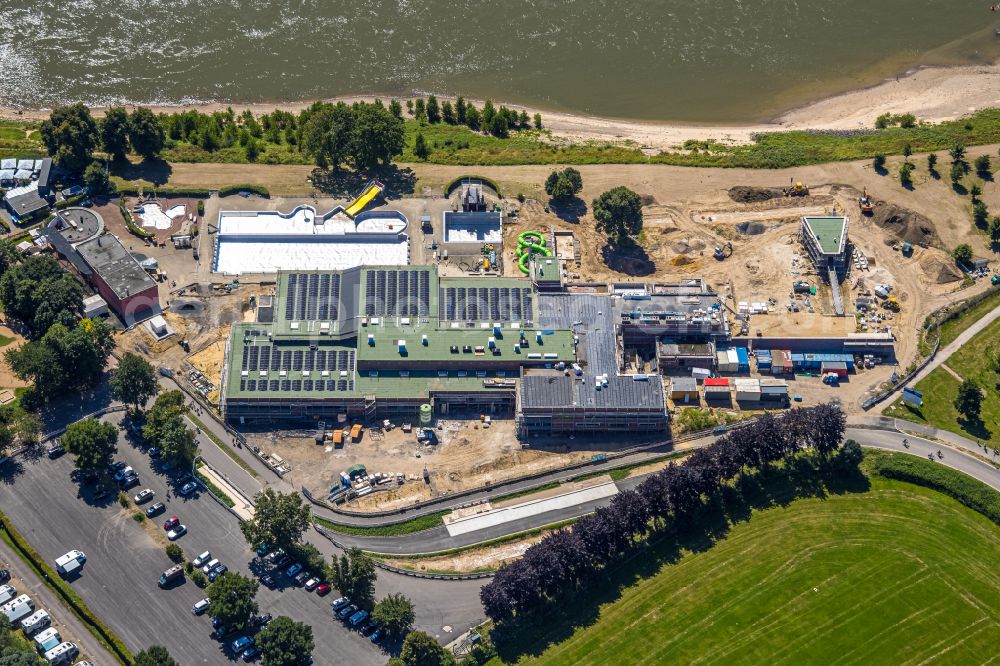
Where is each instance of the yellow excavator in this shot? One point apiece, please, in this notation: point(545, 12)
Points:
point(797, 190)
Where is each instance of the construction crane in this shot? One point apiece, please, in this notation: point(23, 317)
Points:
point(797, 190)
point(865, 203)
point(724, 251)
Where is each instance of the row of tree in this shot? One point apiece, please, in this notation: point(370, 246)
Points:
point(363, 134)
point(574, 558)
point(71, 135)
point(492, 120)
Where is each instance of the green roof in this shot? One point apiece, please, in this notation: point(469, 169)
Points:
point(829, 232)
point(441, 340)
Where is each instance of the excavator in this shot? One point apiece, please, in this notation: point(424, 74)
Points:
point(866, 203)
point(724, 252)
point(797, 190)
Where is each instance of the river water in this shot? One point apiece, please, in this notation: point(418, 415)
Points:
point(686, 60)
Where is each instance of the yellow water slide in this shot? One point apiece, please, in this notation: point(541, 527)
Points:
point(372, 190)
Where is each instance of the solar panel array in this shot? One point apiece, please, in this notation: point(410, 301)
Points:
point(400, 293)
point(296, 385)
point(485, 304)
point(312, 296)
point(269, 358)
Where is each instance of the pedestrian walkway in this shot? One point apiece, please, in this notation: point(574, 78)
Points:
point(241, 505)
point(945, 353)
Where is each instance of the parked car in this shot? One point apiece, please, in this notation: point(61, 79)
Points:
point(376, 635)
point(340, 603)
point(207, 567)
point(368, 627)
point(241, 643)
point(171, 522)
point(144, 495)
point(301, 578)
point(263, 550)
point(155, 509)
point(323, 589)
point(122, 472)
point(55, 450)
point(251, 653)
point(358, 618)
point(312, 584)
point(267, 580)
point(217, 571)
point(177, 532)
point(260, 621)
point(346, 612)
point(129, 481)
point(188, 488)
point(118, 466)
point(155, 452)
point(4, 575)
point(200, 606)
point(202, 559)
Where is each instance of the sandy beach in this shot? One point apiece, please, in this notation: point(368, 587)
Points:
point(933, 94)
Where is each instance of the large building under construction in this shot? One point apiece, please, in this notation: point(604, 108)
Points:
point(380, 342)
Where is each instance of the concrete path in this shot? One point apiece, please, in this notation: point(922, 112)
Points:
point(945, 352)
point(947, 368)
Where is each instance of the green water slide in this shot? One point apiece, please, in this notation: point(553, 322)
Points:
point(530, 243)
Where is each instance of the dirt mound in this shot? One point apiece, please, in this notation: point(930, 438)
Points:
point(688, 245)
point(681, 260)
point(939, 270)
point(746, 194)
point(751, 227)
point(905, 224)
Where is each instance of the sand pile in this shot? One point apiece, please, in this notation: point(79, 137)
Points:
point(939, 270)
point(751, 227)
point(746, 194)
point(681, 260)
point(905, 224)
point(688, 245)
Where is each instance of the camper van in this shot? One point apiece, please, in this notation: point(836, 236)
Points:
point(62, 653)
point(18, 609)
point(35, 622)
point(170, 575)
point(7, 592)
point(47, 639)
point(70, 562)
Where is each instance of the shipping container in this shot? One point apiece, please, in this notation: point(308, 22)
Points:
point(742, 359)
point(338, 437)
point(356, 432)
point(837, 367)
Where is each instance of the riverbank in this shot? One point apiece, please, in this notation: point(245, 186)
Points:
point(933, 94)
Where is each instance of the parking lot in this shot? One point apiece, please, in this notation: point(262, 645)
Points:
point(119, 580)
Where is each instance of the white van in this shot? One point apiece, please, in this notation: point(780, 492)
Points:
point(62, 653)
point(18, 608)
point(47, 639)
point(211, 565)
point(70, 562)
point(35, 622)
point(7, 592)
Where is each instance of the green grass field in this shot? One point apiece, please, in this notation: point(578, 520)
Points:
point(420, 524)
point(940, 389)
point(953, 328)
point(897, 574)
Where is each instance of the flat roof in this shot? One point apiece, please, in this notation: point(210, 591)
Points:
point(116, 265)
point(25, 200)
point(828, 232)
point(549, 391)
point(441, 340)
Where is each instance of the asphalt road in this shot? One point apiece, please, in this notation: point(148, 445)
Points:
point(119, 579)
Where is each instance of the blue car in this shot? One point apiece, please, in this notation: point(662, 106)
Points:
point(241, 643)
point(264, 550)
point(376, 635)
point(251, 653)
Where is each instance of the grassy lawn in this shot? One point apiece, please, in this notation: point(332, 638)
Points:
point(953, 328)
point(891, 574)
point(420, 524)
point(940, 389)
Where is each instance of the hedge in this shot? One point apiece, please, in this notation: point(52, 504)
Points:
point(101, 631)
point(127, 218)
point(71, 201)
point(236, 189)
point(196, 192)
point(969, 491)
point(450, 187)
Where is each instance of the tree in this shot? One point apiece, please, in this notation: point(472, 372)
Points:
point(995, 230)
point(252, 150)
point(394, 614)
point(420, 149)
point(70, 136)
point(460, 110)
point(488, 113)
point(168, 406)
point(378, 136)
point(957, 153)
point(353, 574)
point(850, 455)
point(499, 126)
point(980, 213)
point(970, 400)
point(879, 162)
point(145, 133)
point(538, 121)
point(932, 163)
point(84, 348)
point(433, 110)
point(285, 642)
point(420, 110)
point(93, 442)
point(473, 119)
point(448, 113)
point(96, 178)
point(564, 185)
point(232, 599)
point(134, 381)
point(155, 655)
point(279, 520)
point(114, 133)
point(40, 294)
point(619, 214)
point(975, 191)
point(419, 649)
point(179, 443)
point(905, 174)
point(983, 167)
point(962, 254)
point(326, 134)
point(395, 108)
point(956, 173)
point(907, 151)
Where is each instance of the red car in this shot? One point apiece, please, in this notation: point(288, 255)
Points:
point(323, 589)
point(171, 523)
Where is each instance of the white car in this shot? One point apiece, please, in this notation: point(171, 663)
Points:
point(188, 488)
point(144, 496)
point(123, 473)
point(202, 559)
point(177, 532)
point(200, 606)
point(312, 584)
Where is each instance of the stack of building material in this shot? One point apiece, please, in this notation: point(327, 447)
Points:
point(747, 390)
point(717, 390)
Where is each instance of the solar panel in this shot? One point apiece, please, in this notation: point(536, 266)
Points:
point(243, 385)
point(307, 361)
point(254, 358)
point(331, 385)
point(319, 385)
point(334, 295)
point(272, 385)
point(341, 384)
point(251, 384)
point(324, 296)
point(275, 359)
point(307, 385)
point(265, 357)
point(286, 384)
point(370, 293)
point(297, 360)
point(245, 352)
point(312, 297)
point(320, 363)
point(296, 384)
point(302, 297)
point(290, 300)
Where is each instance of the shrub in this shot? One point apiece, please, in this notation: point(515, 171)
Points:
point(138, 516)
point(174, 552)
point(259, 190)
point(199, 579)
point(123, 500)
point(879, 162)
point(201, 207)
